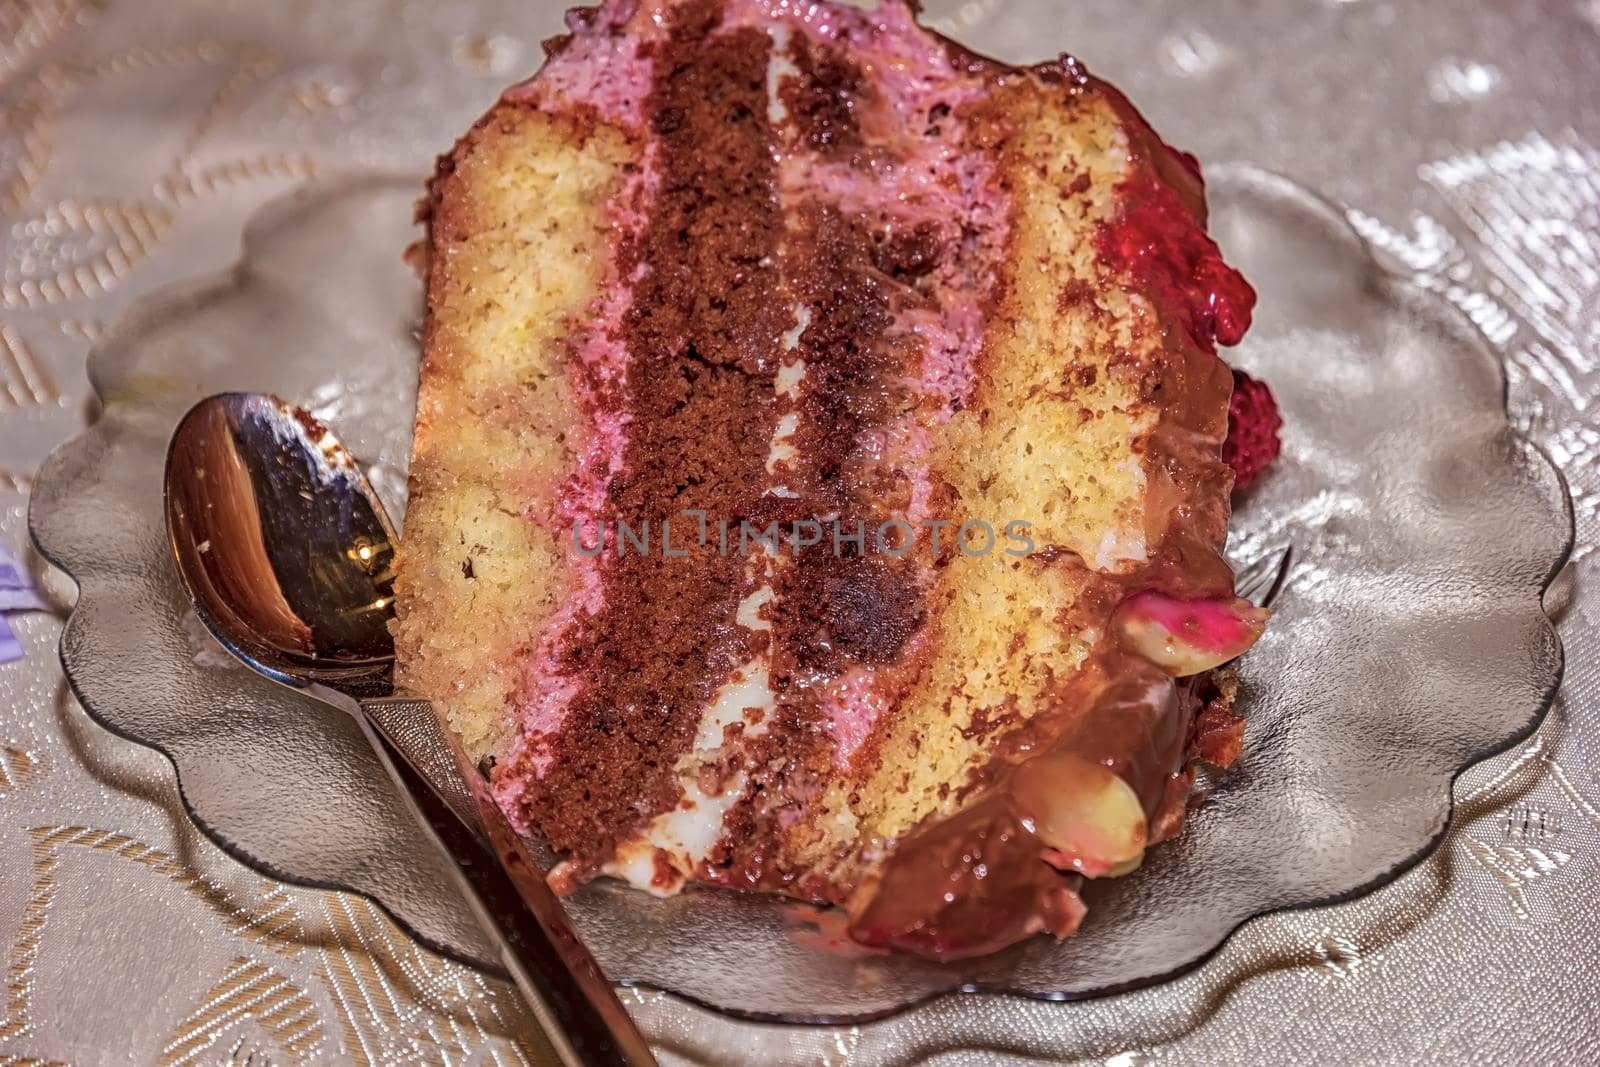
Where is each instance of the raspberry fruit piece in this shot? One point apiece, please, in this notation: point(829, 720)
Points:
point(1253, 425)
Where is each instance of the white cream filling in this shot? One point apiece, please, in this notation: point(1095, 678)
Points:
point(791, 341)
point(779, 67)
point(749, 613)
point(689, 832)
point(1124, 543)
point(783, 450)
point(786, 384)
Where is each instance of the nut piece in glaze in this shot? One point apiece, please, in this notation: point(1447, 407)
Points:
point(1090, 819)
point(1186, 637)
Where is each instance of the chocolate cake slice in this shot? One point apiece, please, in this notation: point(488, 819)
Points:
point(817, 482)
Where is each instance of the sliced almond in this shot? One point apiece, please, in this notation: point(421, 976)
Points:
point(1090, 819)
point(1186, 637)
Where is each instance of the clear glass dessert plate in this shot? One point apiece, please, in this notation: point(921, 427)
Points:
point(1409, 642)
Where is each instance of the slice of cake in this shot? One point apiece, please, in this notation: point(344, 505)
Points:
point(817, 482)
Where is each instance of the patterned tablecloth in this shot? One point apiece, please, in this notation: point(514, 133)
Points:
point(136, 139)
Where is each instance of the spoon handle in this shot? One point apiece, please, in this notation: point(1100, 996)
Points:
point(574, 1001)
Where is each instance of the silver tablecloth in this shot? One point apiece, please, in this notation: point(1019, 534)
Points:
point(136, 138)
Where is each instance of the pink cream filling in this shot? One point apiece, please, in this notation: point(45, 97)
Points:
point(577, 515)
point(602, 66)
point(853, 702)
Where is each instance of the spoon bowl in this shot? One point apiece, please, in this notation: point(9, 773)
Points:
point(279, 537)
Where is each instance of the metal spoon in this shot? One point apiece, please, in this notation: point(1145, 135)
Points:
point(287, 555)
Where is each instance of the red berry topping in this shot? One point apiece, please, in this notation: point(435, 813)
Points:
point(1158, 242)
point(1253, 425)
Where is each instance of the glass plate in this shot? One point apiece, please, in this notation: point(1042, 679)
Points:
point(1409, 640)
